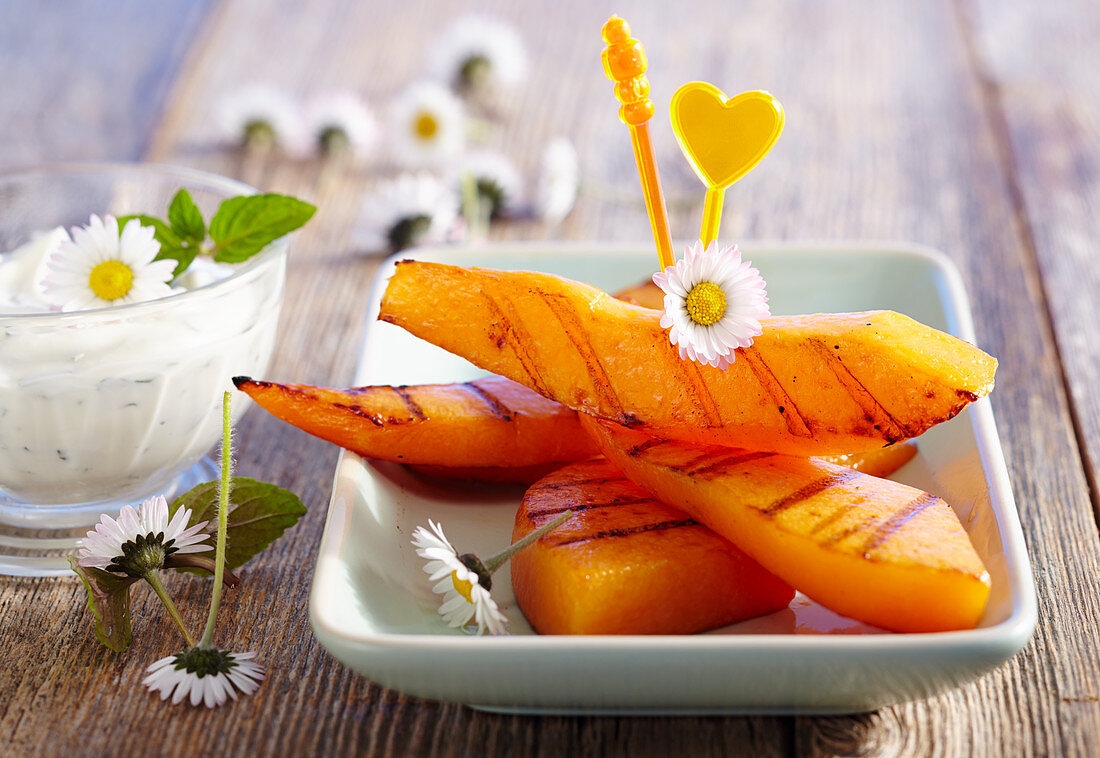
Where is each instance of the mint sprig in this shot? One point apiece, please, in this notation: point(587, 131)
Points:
point(241, 227)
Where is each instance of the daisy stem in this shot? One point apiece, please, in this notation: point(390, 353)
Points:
point(500, 558)
point(223, 522)
point(162, 593)
point(471, 206)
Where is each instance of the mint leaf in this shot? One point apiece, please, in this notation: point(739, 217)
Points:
point(186, 218)
point(109, 601)
point(259, 513)
point(171, 245)
point(243, 226)
point(161, 231)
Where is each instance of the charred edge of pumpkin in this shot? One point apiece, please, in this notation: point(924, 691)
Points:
point(811, 489)
point(865, 399)
point(627, 532)
point(492, 402)
point(769, 382)
point(414, 408)
point(238, 381)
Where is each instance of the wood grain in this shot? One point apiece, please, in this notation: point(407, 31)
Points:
point(86, 81)
point(904, 121)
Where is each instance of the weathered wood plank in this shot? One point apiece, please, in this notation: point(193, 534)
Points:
point(1038, 65)
point(87, 81)
point(889, 136)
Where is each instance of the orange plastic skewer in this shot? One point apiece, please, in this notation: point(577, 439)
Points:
point(624, 62)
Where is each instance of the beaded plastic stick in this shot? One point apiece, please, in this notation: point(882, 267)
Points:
point(624, 62)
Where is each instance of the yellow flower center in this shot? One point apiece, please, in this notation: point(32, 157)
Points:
point(426, 125)
point(111, 280)
point(463, 586)
point(706, 303)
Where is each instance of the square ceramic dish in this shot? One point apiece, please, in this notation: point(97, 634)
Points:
point(372, 607)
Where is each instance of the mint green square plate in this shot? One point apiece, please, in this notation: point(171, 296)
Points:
point(372, 608)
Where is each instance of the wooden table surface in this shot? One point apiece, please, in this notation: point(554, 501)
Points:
point(972, 126)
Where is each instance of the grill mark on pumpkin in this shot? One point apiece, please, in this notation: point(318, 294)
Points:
point(494, 404)
point(892, 430)
point(518, 342)
point(414, 409)
point(731, 460)
point(703, 459)
point(644, 446)
point(701, 395)
point(576, 483)
point(796, 422)
point(837, 514)
point(901, 517)
point(534, 515)
point(613, 533)
point(374, 418)
point(833, 480)
point(601, 382)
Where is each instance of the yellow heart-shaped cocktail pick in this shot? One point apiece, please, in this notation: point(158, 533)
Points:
point(723, 139)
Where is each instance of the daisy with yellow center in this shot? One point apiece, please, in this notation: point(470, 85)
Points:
point(103, 266)
point(714, 302)
point(427, 126)
point(465, 580)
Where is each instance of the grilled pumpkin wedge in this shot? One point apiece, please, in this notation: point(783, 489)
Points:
point(490, 423)
point(809, 385)
point(440, 429)
point(625, 563)
point(872, 549)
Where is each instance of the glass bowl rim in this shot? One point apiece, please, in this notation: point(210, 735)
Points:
point(217, 182)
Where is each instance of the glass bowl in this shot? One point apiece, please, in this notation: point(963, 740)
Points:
point(105, 407)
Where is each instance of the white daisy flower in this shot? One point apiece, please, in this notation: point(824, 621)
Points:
point(427, 125)
point(409, 210)
point(204, 675)
point(100, 267)
point(339, 121)
point(498, 181)
point(141, 538)
point(465, 590)
point(558, 182)
point(259, 114)
point(478, 53)
point(713, 303)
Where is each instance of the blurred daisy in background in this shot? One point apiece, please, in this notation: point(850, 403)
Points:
point(497, 184)
point(558, 180)
point(340, 123)
point(259, 115)
point(409, 210)
point(427, 125)
point(477, 54)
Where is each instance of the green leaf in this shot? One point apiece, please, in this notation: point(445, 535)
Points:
point(186, 218)
point(109, 601)
point(161, 230)
point(243, 226)
point(171, 245)
point(259, 513)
